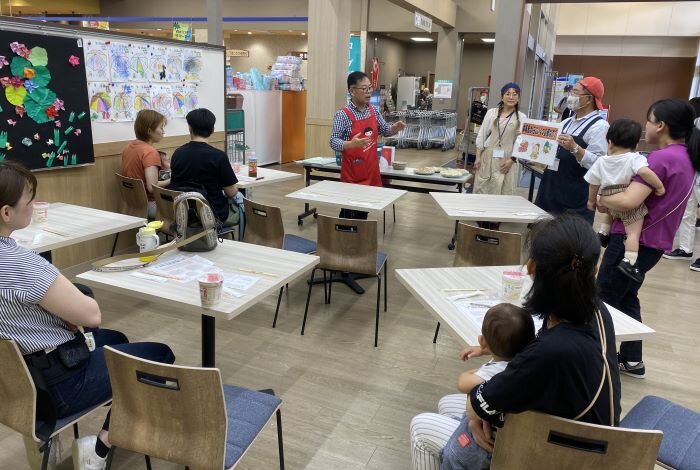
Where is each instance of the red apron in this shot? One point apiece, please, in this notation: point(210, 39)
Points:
point(360, 165)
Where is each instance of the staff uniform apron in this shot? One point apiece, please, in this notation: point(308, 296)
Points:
point(360, 165)
point(565, 189)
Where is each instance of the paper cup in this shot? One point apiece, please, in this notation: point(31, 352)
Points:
point(210, 287)
point(511, 285)
point(41, 212)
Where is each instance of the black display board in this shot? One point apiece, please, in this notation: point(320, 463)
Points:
point(44, 115)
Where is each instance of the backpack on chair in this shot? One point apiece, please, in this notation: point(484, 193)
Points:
point(193, 215)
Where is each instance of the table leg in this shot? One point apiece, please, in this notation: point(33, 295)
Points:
point(349, 280)
point(307, 210)
point(531, 190)
point(208, 341)
point(451, 245)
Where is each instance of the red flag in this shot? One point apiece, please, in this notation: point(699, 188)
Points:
point(375, 73)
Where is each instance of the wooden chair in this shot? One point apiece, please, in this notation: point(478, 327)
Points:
point(349, 246)
point(18, 404)
point(264, 227)
point(134, 200)
point(535, 440)
point(482, 247)
point(185, 415)
point(166, 209)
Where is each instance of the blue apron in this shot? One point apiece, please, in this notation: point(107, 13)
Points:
point(566, 189)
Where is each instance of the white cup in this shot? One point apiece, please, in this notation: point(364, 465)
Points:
point(511, 285)
point(41, 212)
point(210, 287)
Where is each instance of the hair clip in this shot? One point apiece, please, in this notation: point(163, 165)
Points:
point(576, 262)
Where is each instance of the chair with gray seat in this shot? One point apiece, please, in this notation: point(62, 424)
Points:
point(680, 447)
point(264, 227)
point(18, 404)
point(185, 415)
point(349, 247)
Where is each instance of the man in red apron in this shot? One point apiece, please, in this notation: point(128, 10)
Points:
point(356, 128)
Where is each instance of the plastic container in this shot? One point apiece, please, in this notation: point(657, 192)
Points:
point(210, 287)
point(147, 240)
point(252, 166)
point(511, 286)
point(41, 212)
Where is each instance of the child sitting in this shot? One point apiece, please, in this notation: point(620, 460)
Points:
point(505, 332)
point(611, 174)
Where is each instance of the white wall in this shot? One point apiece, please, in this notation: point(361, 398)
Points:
point(476, 68)
point(652, 46)
point(630, 19)
point(264, 50)
point(420, 59)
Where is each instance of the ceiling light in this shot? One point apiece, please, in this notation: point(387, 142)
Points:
point(159, 29)
point(250, 32)
point(422, 39)
point(235, 30)
point(489, 40)
point(303, 34)
point(289, 30)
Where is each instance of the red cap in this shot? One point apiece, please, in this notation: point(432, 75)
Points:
point(595, 86)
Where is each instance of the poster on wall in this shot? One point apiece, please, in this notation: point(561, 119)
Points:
point(157, 64)
point(174, 64)
point(122, 102)
point(354, 54)
point(100, 96)
point(120, 61)
point(443, 89)
point(97, 60)
point(139, 63)
point(162, 99)
point(192, 65)
point(537, 141)
point(43, 101)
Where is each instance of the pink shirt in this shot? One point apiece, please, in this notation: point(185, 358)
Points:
point(673, 167)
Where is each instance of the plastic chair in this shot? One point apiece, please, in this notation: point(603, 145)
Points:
point(482, 247)
point(264, 227)
point(185, 415)
point(18, 404)
point(536, 440)
point(680, 447)
point(349, 246)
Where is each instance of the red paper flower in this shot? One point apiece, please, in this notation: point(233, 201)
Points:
point(16, 82)
point(20, 111)
point(74, 61)
point(51, 112)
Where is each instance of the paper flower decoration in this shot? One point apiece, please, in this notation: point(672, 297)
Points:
point(27, 142)
point(11, 122)
point(16, 82)
point(8, 146)
point(19, 49)
point(5, 81)
point(49, 142)
point(51, 112)
point(45, 155)
point(37, 137)
point(77, 132)
point(29, 85)
point(58, 123)
point(15, 95)
point(74, 61)
point(19, 110)
point(38, 56)
point(3, 61)
point(28, 72)
point(58, 104)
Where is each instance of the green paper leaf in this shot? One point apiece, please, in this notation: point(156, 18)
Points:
point(42, 76)
point(43, 96)
point(36, 111)
point(17, 66)
point(38, 56)
point(15, 95)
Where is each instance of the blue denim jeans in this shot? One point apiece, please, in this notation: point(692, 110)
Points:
point(90, 385)
point(462, 453)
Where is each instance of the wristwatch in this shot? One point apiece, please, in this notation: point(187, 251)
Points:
point(575, 149)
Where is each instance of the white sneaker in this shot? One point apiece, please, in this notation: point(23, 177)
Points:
point(84, 456)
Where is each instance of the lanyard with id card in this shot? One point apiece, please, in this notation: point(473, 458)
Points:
point(498, 152)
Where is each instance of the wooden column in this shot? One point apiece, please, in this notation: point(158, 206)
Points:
point(329, 32)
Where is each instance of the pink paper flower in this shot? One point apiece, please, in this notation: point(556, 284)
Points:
point(16, 82)
point(12, 122)
point(3, 61)
point(74, 61)
point(77, 132)
point(58, 123)
point(5, 81)
point(58, 104)
point(37, 137)
point(19, 49)
point(20, 111)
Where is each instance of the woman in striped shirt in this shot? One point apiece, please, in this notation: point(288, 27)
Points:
point(44, 313)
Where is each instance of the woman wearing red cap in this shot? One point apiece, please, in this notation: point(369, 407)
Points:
point(581, 142)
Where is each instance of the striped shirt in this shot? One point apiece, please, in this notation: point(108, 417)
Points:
point(25, 277)
point(342, 126)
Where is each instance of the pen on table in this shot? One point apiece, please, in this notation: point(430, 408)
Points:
point(474, 304)
point(54, 232)
point(252, 271)
point(464, 290)
point(154, 273)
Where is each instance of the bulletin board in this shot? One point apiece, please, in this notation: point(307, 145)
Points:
point(102, 79)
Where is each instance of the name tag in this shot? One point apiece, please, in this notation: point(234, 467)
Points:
point(554, 166)
point(90, 341)
point(498, 153)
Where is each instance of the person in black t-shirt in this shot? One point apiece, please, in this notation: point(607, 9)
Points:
point(199, 165)
point(560, 371)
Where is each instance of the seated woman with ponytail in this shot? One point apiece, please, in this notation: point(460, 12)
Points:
point(569, 370)
point(670, 126)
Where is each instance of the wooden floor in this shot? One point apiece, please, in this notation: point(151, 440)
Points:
point(348, 405)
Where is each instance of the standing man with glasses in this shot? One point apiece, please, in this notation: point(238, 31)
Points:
point(581, 142)
point(356, 128)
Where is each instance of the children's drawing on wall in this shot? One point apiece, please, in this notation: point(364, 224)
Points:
point(120, 61)
point(100, 102)
point(97, 60)
point(157, 63)
point(178, 101)
point(174, 64)
point(139, 62)
point(162, 99)
point(191, 97)
point(123, 102)
point(142, 97)
point(192, 65)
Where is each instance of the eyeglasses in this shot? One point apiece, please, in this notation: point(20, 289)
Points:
point(580, 93)
point(364, 89)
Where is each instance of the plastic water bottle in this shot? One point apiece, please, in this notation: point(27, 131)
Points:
point(252, 165)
